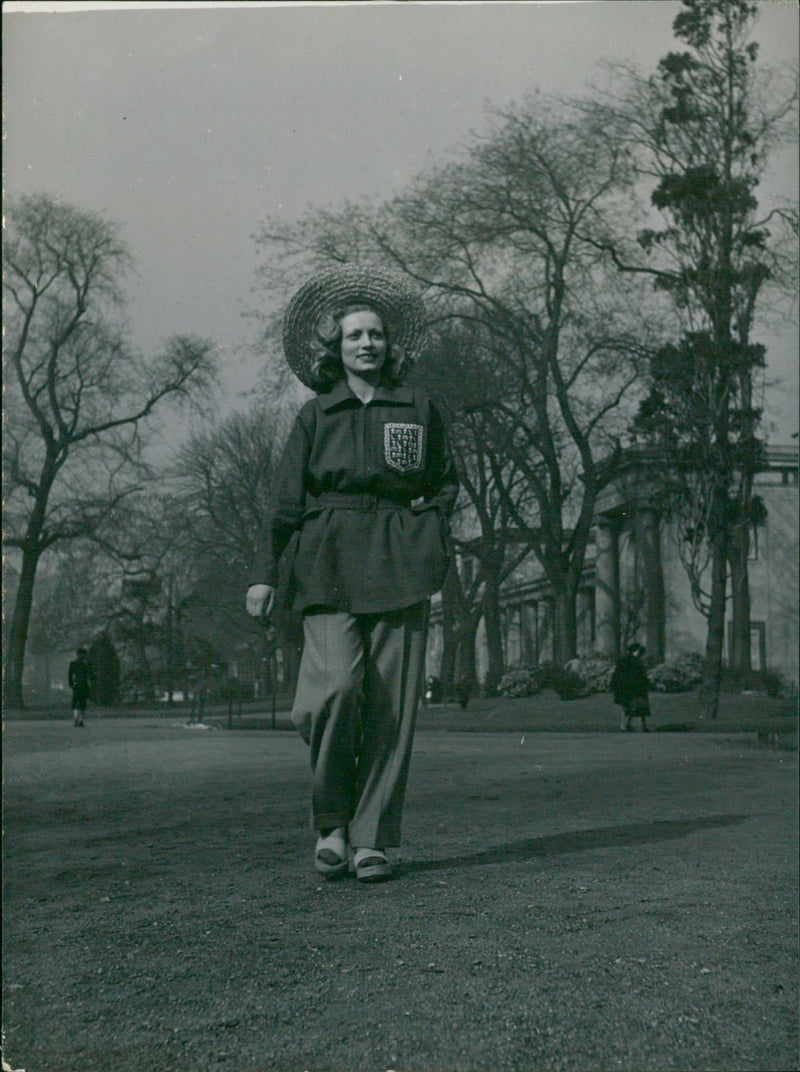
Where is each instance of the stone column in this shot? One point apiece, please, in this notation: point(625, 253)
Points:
point(545, 615)
point(606, 588)
point(648, 540)
point(527, 614)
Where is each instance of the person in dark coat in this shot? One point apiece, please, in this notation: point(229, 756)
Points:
point(365, 491)
point(630, 687)
point(80, 677)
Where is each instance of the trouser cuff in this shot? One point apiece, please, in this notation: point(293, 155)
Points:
point(372, 839)
point(329, 820)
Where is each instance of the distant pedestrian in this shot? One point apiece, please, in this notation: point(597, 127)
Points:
point(80, 678)
point(433, 690)
point(367, 485)
point(629, 686)
point(198, 698)
point(464, 691)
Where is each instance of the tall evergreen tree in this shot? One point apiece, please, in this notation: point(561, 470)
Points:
point(703, 128)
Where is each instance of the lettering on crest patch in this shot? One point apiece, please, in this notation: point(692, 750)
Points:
point(404, 447)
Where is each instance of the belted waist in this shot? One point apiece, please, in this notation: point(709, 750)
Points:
point(355, 501)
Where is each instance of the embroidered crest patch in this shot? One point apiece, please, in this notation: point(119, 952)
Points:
point(404, 447)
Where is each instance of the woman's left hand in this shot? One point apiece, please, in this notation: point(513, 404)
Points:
point(260, 598)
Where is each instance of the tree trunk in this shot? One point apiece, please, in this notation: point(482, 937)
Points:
point(465, 661)
point(648, 538)
point(18, 633)
point(741, 659)
point(23, 604)
point(450, 628)
point(565, 627)
point(144, 673)
point(494, 632)
point(712, 668)
point(465, 676)
point(147, 674)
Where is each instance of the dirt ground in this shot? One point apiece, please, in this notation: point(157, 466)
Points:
point(567, 901)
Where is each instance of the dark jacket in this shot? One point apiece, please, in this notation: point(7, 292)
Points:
point(80, 677)
point(363, 502)
point(629, 680)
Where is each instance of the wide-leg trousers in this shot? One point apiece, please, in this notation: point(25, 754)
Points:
point(356, 703)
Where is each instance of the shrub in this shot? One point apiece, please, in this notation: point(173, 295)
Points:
point(734, 680)
point(104, 661)
point(519, 683)
point(775, 683)
point(677, 675)
point(548, 676)
point(236, 689)
point(770, 681)
point(594, 671)
point(580, 677)
point(571, 685)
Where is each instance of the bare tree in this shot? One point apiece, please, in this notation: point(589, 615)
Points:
point(75, 594)
point(224, 476)
point(500, 239)
point(486, 543)
point(77, 395)
point(224, 479)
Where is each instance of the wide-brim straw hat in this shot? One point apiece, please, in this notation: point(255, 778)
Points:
point(390, 294)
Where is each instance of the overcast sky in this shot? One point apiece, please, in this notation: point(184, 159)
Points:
point(190, 124)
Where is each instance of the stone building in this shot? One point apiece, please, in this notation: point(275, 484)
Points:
point(635, 586)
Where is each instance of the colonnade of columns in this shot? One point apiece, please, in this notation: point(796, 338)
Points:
point(648, 581)
point(606, 586)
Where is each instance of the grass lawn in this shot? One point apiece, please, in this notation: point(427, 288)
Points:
point(545, 713)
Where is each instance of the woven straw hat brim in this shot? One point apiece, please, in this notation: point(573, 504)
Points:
point(390, 294)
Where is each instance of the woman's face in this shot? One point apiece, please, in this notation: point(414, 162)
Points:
point(363, 344)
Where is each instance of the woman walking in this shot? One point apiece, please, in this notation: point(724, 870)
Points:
point(80, 677)
point(629, 686)
point(365, 491)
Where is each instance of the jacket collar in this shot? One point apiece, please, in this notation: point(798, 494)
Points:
point(340, 394)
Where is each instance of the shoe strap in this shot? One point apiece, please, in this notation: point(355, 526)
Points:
point(361, 856)
point(335, 841)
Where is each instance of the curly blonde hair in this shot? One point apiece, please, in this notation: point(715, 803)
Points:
point(326, 346)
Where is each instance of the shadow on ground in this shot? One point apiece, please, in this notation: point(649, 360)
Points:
point(577, 841)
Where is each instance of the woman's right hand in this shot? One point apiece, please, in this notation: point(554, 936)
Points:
point(260, 598)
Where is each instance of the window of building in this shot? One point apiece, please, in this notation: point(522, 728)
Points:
point(528, 633)
point(758, 645)
point(512, 637)
point(752, 551)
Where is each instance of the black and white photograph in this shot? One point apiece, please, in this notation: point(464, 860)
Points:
point(400, 536)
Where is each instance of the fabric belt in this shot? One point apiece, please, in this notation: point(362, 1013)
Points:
point(355, 501)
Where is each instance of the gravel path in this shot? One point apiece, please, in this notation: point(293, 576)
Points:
point(564, 901)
